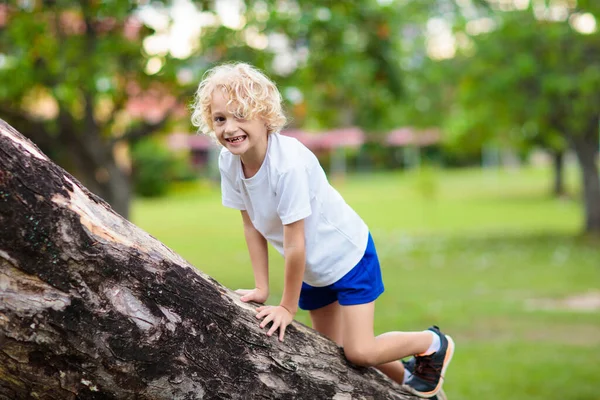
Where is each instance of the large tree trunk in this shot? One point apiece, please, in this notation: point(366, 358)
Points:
point(586, 148)
point(93, 307)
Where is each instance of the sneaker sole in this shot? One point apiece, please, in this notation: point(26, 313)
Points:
point(447, 359)
point(439, 396)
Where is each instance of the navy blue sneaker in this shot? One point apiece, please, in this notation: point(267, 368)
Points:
point(409, 365)
point(428, 373)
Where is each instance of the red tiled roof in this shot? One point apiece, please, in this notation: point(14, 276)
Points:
point(152, 104)
point(343, 137)
point(307, 139)
point(185, 141)
point(3, 14)
point(411, 136)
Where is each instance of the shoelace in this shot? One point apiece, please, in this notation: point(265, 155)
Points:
point(426, 370)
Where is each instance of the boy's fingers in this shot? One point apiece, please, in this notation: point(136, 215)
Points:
point(268, 314)
point(282, 332)
point(262, 311)
point(273, 327)
point(247, 297)
point(266, 320)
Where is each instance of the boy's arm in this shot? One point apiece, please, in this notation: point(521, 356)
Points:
point(294, 248)
point(295, 259)
point(259, 258)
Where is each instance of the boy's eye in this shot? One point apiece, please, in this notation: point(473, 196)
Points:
point(219, 119)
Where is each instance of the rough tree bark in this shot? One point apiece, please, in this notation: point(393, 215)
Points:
point(92, 307)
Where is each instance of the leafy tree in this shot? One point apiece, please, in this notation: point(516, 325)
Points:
point(528, 79)
point(68, 71)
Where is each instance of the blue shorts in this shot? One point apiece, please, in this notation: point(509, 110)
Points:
point(362, 285)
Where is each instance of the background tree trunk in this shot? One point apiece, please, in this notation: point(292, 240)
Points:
point(112, 184)
point(586, 148)
point(558, 189)
point(93, 307)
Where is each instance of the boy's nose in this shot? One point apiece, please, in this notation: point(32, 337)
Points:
point(230, 126)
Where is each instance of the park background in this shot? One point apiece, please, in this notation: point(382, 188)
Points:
point(464, 132)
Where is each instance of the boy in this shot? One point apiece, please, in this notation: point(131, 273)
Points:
point(331, 265)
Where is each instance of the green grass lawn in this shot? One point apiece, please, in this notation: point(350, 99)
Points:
point(487, 255)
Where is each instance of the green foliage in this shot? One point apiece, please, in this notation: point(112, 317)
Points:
point(346, 56)
point(540, 79)
point(68, 70)
point(72, 49)
point(528, 79)
point(527, 82)
point(155, 168)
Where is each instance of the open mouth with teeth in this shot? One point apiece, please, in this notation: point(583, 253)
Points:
point(237, 139)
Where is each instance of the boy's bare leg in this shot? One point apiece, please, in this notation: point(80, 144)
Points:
point(363, 348)
point(394, 370)
point(328, 321)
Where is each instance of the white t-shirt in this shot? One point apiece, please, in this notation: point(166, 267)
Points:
point(289, 186)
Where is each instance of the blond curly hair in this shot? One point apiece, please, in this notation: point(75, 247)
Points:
point(251, 94)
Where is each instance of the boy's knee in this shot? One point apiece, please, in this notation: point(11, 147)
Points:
point(360, 355)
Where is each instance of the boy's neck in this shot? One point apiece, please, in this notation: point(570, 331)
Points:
point(250, 170)
point(252, 160)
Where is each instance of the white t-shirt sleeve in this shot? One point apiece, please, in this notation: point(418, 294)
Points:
point(294, 196)
point(230, 194)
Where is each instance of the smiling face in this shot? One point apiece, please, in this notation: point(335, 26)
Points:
point(245, 138)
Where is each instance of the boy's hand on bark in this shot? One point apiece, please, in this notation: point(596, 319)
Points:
point(280, 316)
point(257, 295)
